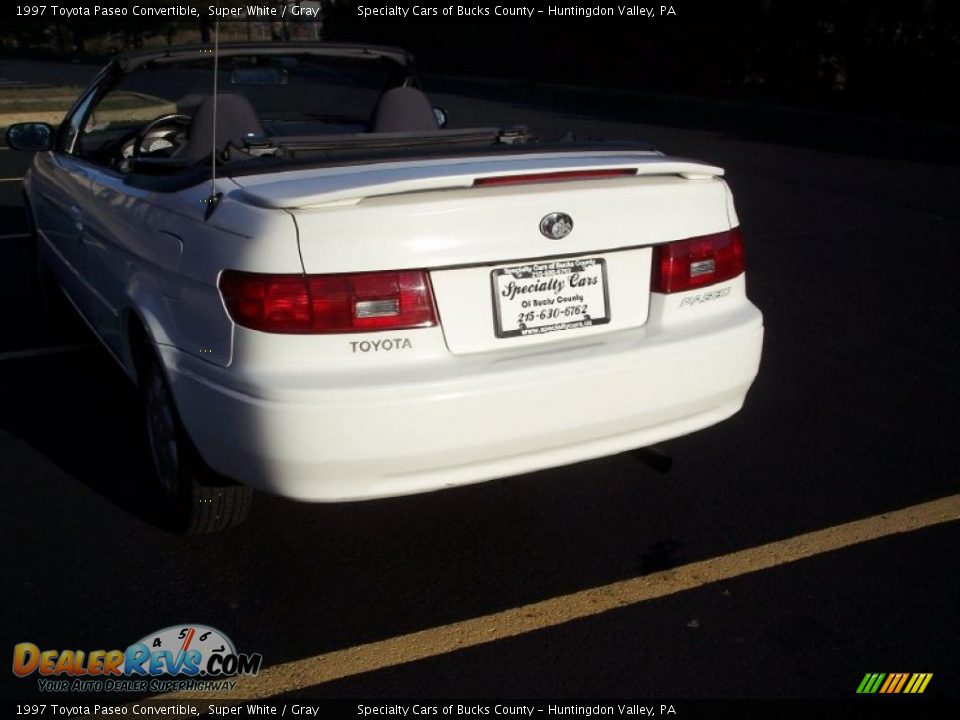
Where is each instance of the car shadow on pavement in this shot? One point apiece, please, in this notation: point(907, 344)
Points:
point(12, 220)
point(78, 412)
point(61, 394)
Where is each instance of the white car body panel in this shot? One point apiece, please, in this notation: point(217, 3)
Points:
point(364, 415)
point(371, 432)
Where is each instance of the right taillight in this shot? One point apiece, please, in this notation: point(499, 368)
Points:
point(697, 262)
point(353, 302)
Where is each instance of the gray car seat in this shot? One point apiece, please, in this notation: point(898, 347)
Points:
point(403, 109)
point(236, 120)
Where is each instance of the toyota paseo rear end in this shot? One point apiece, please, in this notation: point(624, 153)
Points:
point(358, 304)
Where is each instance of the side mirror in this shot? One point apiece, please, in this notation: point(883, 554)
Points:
point(34, 137)
point(441, 115)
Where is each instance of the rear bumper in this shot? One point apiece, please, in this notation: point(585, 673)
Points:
point(479, 419)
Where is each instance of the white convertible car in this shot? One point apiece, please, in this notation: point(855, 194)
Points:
point(325, 293)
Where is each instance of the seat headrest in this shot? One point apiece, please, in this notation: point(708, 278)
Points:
point(403, 109)
point(236, 120)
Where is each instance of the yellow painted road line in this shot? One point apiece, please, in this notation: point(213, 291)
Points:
point(19, 179)
point(433, 642)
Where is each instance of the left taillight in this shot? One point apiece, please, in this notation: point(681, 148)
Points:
point(697, 262)
point(353, 302)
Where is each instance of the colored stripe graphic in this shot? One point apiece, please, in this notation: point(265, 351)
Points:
point(900, 684)
point(894, 683)
point(918, 683)
point(871, 683)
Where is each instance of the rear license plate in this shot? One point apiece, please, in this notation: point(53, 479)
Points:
point(550, 296)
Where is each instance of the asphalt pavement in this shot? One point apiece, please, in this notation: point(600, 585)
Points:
point(851, 256)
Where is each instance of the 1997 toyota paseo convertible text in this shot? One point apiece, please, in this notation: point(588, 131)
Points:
point(324, 292)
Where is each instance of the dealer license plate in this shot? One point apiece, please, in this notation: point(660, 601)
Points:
point(550, 296)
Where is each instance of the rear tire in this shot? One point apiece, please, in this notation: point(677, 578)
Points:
point(195, 499)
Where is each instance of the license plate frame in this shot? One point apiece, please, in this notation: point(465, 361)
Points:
point(533, 285)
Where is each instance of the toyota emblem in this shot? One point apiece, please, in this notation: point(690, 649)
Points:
point(556, 225)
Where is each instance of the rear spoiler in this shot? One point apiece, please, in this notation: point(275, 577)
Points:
point(350, 185)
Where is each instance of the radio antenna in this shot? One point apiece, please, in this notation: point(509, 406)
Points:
point(214, 195)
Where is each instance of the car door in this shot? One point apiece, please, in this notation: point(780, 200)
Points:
point(60, 189)
point(127, 238)
point(124, 239)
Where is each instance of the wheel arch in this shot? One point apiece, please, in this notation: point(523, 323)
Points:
point(144, 325)
point(141, 336)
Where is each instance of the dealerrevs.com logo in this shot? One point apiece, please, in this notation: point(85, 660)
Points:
point(179, 657)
